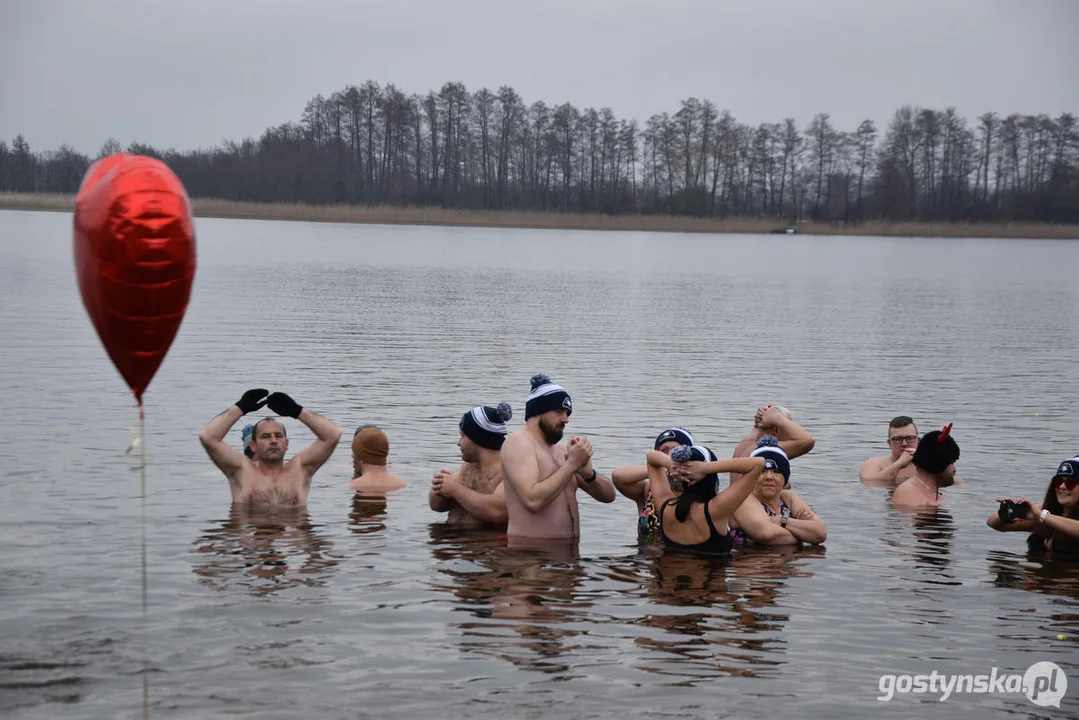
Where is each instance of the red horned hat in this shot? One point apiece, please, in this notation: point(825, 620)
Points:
point(937, 450)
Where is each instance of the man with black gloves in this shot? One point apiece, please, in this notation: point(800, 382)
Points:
point(267, 479)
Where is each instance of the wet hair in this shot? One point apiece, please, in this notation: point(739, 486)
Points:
point(701, 491)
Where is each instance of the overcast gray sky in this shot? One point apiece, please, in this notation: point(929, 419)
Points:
point(190, 73)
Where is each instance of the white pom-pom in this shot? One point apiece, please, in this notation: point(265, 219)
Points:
point(505, 412)
point(540, 379)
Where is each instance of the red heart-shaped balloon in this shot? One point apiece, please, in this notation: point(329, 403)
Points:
point(135, 260)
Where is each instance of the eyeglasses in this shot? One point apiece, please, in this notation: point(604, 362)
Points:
point(1069, 483)
point(903, 439)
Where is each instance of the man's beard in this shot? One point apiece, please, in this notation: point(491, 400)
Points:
point(271, 457)
point(551, 435)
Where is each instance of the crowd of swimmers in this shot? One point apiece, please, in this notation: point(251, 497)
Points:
point(527, 482)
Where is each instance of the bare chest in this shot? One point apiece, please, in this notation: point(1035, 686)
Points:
point(285, 489)
point(550, 459)
point(474, 478)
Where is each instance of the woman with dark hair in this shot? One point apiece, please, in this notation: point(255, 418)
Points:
point(692, 521)
point(1054, 524)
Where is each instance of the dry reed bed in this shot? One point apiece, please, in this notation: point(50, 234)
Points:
point(210, 207)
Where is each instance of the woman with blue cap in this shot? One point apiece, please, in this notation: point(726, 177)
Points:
point(632, 481)
point(772, 515)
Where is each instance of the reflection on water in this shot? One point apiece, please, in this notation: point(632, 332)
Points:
point(263, 552)
point(521, 596)
point(734, 626)
point(706, 617)
point(368, 513)
point(1035, 572)
point(933, 534)
point(923, 544)
point(27, 682)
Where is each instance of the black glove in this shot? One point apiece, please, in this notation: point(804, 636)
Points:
point(252, 400)
point(282, 404)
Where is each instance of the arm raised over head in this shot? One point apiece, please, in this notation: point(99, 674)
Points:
point(327, 434)
point(228, 459)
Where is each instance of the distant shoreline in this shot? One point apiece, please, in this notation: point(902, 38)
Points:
point(392, 215)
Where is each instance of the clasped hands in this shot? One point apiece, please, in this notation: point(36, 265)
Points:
point(768, 417)
point(279, 402)
point(445, 483)
point(579, 455)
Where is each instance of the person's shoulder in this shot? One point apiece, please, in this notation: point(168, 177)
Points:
point(750, 505)
point(877, 462)
point(750, 437)
point(745, 446)
point(790, 497)
point(902, 491)
point(516, 441)
point(904, 485)
point(390, 482)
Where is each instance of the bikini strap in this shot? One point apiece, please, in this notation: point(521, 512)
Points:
point(663, 509)
point(711, 525)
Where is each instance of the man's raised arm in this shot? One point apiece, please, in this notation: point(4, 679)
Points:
point(885, 470)
point(228, 459)
point(793, 438)
point(327, 434)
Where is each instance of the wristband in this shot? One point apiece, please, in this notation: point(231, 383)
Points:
point(591, 478)
point(1044, 513)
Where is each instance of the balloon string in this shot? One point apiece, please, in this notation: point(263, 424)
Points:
point(142, 458)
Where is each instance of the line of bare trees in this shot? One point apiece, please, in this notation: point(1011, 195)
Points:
point(369, 144)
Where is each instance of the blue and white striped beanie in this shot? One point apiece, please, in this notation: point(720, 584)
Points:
point(774, 456)
point(486, 425)
point(546, 396)
point(679, 434)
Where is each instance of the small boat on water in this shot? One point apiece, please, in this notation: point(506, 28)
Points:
point(789, 230)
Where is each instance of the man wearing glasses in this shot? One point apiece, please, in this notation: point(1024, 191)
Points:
point(891, 470)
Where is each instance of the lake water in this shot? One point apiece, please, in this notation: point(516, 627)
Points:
point(375, 610)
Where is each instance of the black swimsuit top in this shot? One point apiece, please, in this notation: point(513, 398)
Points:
point(716, 544)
